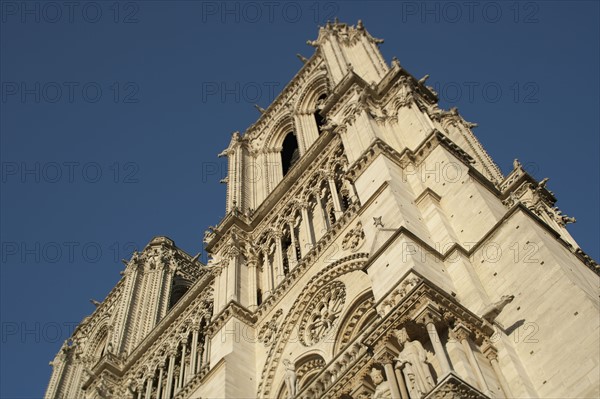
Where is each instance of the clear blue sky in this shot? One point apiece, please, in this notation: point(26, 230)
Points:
point(112, 117)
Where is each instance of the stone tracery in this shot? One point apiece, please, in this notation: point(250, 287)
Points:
point(322, 313)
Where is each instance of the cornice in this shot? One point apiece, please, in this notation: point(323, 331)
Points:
point(231, 310)
point(434, 139)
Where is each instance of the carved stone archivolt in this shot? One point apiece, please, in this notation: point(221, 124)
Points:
point(268, 331)
point(322, 313)
point(293, 316)
point(354, 239)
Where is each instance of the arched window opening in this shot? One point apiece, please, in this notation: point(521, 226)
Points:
point(286, 244)
point(289, 152)
point(180, 287)
point(102, 344)
point(320, 119)
point(344, 194)
point(345, 202)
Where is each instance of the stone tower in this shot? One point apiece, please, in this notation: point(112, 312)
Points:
point(371, 249)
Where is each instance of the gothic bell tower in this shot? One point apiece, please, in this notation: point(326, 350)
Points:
point(360, 211)
point(371, 248)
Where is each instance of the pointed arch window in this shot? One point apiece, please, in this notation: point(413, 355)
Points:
point(289, 152)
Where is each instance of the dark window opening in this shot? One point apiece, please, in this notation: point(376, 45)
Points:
point(345, 202)
point(180, 287)
point(258, 296)
point(286, 244)
point(289, 152)
point(331, 216)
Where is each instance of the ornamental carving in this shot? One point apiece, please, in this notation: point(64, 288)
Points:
point(354, 238)
point(268, 331)
point(399, 293)
point(322, 313)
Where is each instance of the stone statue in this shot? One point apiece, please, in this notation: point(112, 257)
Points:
point(131, 387)
point(103, 390)
point(492, 311)
point(413, 363)
point(382, 388)
point(291, 380)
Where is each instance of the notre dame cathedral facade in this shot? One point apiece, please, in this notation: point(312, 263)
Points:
point(371, 249)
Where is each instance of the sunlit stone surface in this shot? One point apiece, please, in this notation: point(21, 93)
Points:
point(371, 249)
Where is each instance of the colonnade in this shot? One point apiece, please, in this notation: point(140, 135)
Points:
point(179, 365)
point(283, 247)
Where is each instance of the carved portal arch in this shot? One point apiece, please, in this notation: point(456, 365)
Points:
point(305, 368)
point(315, 284)
point(308, 366)
point(359, 314)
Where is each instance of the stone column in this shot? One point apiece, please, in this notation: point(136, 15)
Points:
point(402, 384)
point(492, 355)
point(222, 273)
point(148, 387)
point(232, 275)
point(319, 213)
point(206, 352)
point(294, 261)
point(428, 317)
point(182, 365)
point(387, 360)
point(267, 274)
point(252, 289)
point(462, 334)
point(170, 375)
point(279, 259)
point(161, 369)
point(308, 230)
point(337, 206)
point(192, 369)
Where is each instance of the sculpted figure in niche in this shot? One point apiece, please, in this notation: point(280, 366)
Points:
point(382, 388)
point(412, 362)
point(291, 380)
